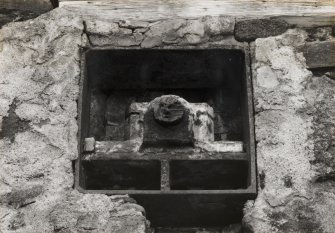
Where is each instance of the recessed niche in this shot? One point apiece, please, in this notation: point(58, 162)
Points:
point(119, 77)
point(172, 128)
point(208, 174)
point(122, 175)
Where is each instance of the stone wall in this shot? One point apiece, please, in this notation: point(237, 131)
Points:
point(295, 120)
point(39, 83)
point(39, 91)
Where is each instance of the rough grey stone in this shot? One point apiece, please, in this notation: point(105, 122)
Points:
point(39, 78)
point(97, 213)
point(17, 221)
point(89, 144)
point(249, 30)
point(102, 28)
point(162, 31)
point(319, 34)
point(40, 70)
point(186, 31)
point(320, 54)
point(141, 30)
point(193, 39)
point(150, 42)
point(162, 28)
point(138, 37)
point(102, 33)
point(127, 41)
point(22, 196)
point(193, 26)
point(294, 152)
point(322, 107)
point(219, 25)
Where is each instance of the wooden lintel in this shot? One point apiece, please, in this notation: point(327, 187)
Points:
point(301, 13)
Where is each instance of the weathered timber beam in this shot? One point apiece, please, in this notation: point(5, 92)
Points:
point(305, 13)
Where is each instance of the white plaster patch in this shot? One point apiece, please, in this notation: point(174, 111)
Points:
point(266, 77)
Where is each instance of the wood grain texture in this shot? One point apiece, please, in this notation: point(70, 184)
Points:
point(151, 10)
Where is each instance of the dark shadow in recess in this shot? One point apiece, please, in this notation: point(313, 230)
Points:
point(192, 210)
point(122, 175)
point(116, 78)
point(208, 175)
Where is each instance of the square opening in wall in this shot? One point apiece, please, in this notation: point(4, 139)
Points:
point(122, 175)
point(172, 126)
point(208, 174)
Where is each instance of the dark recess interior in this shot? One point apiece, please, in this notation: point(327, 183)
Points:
point(122, 175)
point(184, 174)
point(203, 193)
point(208, 174)
point(116, 78)
point(192, 210)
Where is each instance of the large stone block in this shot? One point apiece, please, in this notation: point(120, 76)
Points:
point(320, 54)
point(294, 125)
point(249, 30)
point(219, 25)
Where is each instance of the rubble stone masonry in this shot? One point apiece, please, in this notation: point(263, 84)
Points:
point(294, 104)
